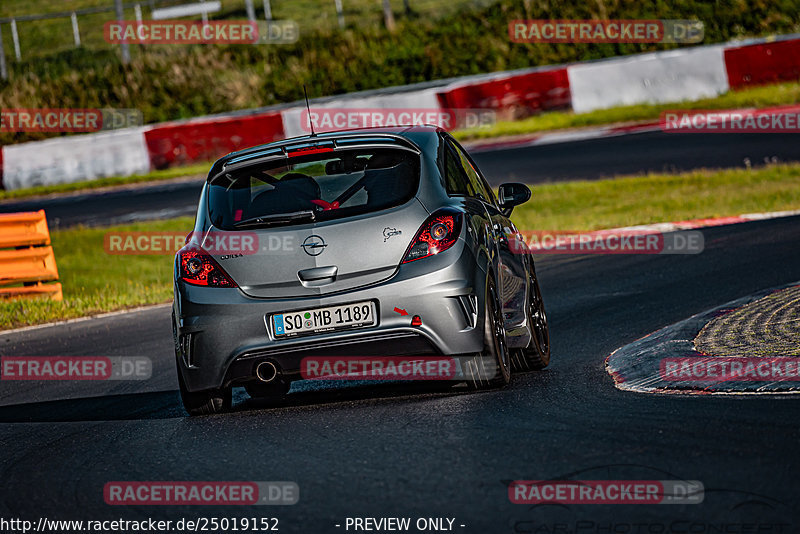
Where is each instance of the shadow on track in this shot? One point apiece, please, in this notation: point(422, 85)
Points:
point(167, 404)
point(311, 393)
point(162, 405)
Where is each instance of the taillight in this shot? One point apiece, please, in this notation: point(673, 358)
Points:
point(200, 269)
point(436, 235)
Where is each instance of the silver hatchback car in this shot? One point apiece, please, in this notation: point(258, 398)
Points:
point(378, 243)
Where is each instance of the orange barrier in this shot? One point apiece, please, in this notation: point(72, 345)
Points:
point(27, 261)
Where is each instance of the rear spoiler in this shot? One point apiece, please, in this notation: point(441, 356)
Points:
point(287, 150)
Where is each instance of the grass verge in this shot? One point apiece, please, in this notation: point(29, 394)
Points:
point(760, 97)
point(627, 201)
point(95, 282)
point(755, 97)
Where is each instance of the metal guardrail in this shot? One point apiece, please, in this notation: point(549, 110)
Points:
point(27, 261)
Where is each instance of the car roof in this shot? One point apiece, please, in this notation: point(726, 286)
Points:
point(379, 133)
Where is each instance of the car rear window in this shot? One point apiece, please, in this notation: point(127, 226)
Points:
point(317, 187)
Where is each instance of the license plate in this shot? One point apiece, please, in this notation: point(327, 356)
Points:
point(345, 317)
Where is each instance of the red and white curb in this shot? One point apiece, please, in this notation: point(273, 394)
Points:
point(616, 130)
point(552, 138)
point(700, 72)
point(635, 367)
point(638, 366)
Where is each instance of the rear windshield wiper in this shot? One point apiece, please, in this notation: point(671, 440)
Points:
point(277, 218)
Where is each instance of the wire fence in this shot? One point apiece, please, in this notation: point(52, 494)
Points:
point(26, 34)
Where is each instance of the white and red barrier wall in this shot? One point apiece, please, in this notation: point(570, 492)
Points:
point(657, 77)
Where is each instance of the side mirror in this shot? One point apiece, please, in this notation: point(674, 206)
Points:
point(512, 194)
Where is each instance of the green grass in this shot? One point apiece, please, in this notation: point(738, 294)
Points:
point(618, 202)
point(199, 170)
point(41, 38)
point(766, 96)
point(94, 281)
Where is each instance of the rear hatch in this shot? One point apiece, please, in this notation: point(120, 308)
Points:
point(321, 220)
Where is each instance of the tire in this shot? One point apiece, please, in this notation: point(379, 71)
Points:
point(205, 402)
point(200, 402)
point(491, 368)
point(536, 355)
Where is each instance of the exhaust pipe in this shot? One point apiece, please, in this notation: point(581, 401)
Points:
point(266, 372)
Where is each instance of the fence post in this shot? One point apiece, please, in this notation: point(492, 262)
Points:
point(137, 12)
point(76, 33)
point(251, 11)
point(388, 16)
point(3, 70)
point(204, 20)
point(267, 10)
point(126, 50)
point(339, 13)
point(15, 38)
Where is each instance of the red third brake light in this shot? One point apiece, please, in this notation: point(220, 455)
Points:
point(307, 150)
point(438, 233)
point(200, 269)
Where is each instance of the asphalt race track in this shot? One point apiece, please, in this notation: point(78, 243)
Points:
point(588, 159)
point(406, 451)
point(644, 153)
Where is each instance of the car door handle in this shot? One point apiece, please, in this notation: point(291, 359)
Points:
point(318, 273)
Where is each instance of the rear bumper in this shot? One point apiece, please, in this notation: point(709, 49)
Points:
point(223, 334)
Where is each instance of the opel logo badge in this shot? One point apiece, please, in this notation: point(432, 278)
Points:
point(314, 245)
